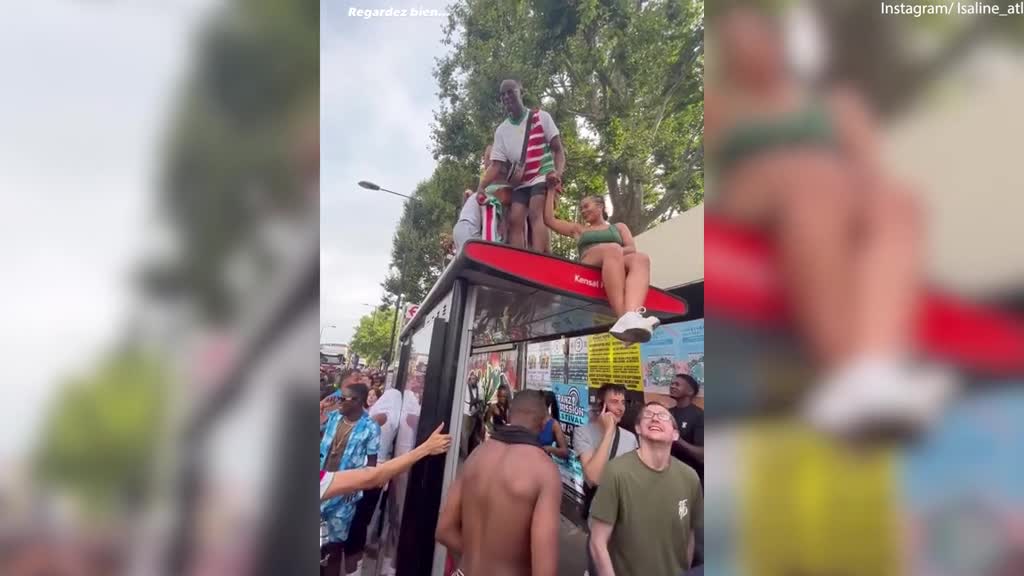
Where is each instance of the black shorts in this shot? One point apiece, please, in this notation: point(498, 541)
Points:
point(523, 195)
point(356, 541)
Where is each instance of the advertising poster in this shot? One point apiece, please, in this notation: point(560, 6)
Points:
point(494, 369)
point(961, 489)
point(572, 473)
point(578, 360)
point(538, 364)
point(558, 360)
point(674, 349)
point(573, 403)
point(609, 361)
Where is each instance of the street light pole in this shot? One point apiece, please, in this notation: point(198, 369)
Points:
point(394, 328)
point(398, 305)
point(322, 331)
point(375, 187)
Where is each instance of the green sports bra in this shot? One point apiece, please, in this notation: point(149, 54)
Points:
point(592, 237)
point(809, 126)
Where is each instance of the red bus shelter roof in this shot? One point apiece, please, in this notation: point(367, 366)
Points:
point(524, 295)
point(742, 282)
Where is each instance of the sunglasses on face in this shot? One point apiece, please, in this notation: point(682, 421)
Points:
point(659, 416)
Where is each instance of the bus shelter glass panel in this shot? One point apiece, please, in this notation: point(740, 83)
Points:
point(517, 313)
point(405, 441)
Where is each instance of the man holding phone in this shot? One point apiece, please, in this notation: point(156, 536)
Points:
point(601, 441)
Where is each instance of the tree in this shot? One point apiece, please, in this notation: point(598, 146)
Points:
point(624, 83)
point(417, 254)
point(231, 164)
point(102, 432)
point(372, 338)
point(623, 80)
point(892, 70)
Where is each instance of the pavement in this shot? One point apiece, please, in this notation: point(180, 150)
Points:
point(572, 557)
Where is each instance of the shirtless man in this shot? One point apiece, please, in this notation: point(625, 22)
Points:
point(502, 513)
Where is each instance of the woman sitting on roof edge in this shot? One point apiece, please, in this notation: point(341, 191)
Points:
point(626, 273)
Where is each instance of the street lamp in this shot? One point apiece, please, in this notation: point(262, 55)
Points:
point(398, 304)
point(325, 328)
point(372, 186)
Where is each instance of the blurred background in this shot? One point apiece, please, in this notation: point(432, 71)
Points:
point(782, 500)
point(159, 164)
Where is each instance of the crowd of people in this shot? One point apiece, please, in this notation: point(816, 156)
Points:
point(358, 424)
point(514, 204)
point(643, 497)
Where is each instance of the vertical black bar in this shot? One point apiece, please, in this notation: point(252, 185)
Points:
point(426, 479)
point(287, 539)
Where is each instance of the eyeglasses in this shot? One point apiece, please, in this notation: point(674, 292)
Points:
point(659, 416)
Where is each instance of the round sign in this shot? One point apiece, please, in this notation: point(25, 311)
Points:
point(411, 311)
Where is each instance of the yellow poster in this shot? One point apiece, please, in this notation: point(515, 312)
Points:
point(814, 507)
point(611, 362)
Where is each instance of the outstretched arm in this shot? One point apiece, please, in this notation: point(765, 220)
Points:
point(350, 481)
point(561, 226)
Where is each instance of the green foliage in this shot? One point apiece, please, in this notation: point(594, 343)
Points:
point(372, 336)
point(623, 82)
point(101, 435)
point(230, 160)
point(892, 71)
point(417, 253)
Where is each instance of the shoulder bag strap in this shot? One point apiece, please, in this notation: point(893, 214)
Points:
point(526, 136)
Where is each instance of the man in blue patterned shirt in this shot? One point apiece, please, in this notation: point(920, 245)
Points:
point(351, 441)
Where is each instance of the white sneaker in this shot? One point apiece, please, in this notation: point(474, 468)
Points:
point(633, 327)
point(878, 398)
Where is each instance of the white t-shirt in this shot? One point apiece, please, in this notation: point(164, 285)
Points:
point(508, 144)
point(390, 403)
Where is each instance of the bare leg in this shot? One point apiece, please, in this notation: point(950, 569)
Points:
point(516, 225)
point(638, 279)
point(887, 267)
point(814, 233)
point(613, 273)
point(540, 238)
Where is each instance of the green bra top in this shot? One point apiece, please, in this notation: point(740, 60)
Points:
point(809, 126)
point(592, 237)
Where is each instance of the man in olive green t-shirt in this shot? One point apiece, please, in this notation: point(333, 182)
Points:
point(648, 507)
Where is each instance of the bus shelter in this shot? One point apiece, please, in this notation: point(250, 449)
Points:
point(491, 298)
point(888, 510)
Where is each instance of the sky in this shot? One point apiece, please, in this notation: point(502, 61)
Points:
point(89, 88)
point(377, 99)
